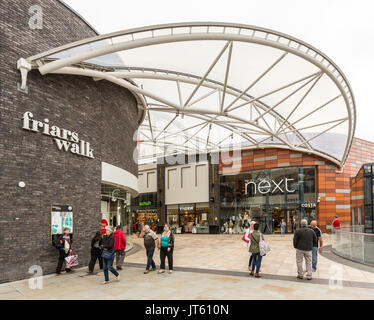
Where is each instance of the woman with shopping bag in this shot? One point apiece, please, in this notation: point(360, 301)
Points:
point(258, 248)
point(63, 244)
point(108, 254)
point(247, 238)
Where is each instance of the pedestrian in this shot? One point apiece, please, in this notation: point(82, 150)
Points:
point(336, 223)
point(294, 225)
point(283, 227)
point(63, 244)
point(96, 252)
point(119, 246)
point(108, 255)
point(150, 240)
point(318, 232)
point(166, 249)
point(140, 229)
point(247, 237)
point(254, 248)
point(303, 241)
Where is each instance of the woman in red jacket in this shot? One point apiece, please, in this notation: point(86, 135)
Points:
point(119, 246)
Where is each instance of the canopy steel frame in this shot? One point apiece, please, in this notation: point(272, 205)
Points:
point(200, 31)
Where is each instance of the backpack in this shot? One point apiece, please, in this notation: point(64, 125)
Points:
point(97, 244)
point(56, 241)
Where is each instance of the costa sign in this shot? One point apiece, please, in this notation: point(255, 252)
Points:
point(65, 139)
point(308, 205)
point(269, 186)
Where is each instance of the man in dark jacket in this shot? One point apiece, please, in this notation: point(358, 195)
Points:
point(303, 241)
point(150, 239)
point(107, 245)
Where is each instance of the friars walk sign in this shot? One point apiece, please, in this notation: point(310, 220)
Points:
point(66, 140)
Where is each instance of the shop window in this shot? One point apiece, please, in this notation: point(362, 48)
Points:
point(286, 193)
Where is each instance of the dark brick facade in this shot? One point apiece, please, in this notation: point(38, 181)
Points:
point(100, 112)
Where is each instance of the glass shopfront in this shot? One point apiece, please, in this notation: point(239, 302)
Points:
point(267, 196)
point(188, 217)
point(145, 211)
point(116, 210)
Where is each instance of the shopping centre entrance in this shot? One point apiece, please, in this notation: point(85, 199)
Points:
point(289, 215)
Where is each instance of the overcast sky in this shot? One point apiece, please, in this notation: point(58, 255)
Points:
point(343, 30)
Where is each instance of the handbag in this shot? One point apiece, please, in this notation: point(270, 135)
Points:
point(244, 239)
point(264, 247)
point(71, 261)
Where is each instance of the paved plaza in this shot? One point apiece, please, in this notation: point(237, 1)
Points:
point(210, 267)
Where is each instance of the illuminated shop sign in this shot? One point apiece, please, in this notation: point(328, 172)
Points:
point(269, 186)
point(145, 203)
point(308, 205)
point(65, 139)
point(186, 208)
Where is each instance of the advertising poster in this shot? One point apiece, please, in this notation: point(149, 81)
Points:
point(61, 217)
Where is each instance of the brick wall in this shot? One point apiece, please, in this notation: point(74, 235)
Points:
point(102, 113)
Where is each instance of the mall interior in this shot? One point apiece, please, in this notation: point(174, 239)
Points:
point(270, 185)
point(71, 125)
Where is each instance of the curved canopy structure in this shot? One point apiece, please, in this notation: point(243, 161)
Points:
point(205, 87)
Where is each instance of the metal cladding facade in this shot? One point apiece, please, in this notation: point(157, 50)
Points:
point(101, 113)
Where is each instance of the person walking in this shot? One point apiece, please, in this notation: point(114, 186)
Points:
point(150, 240)
point(254, 248)
point(247, 237)
point(95, 252)
point(283, 227)
point(63, 244)
point(108, 255)
point(336, 223)
point(167, 248)
point(318, 232)
point(119, 246)
point(303, 241)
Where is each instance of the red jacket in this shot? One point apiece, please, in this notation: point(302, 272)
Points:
point(119, 240)
point(336, 224)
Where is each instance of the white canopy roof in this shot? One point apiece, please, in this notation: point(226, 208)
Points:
point(205, 87)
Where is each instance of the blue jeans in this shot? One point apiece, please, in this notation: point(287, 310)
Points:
point(256, 262)
point(150, 261)
point(108, 265)
point(314, 258)
point(283, 230)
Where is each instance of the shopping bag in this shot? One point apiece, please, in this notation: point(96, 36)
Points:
point(244, 239)
point(71, 261)
point(264, 247)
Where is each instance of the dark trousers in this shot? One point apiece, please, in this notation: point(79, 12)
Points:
point(108, 266)
point(150, 261)
point(250, 260)
point(61, 260)
point(95, 254)
point(165, 253)
point(256, 262)
point(120, 256)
